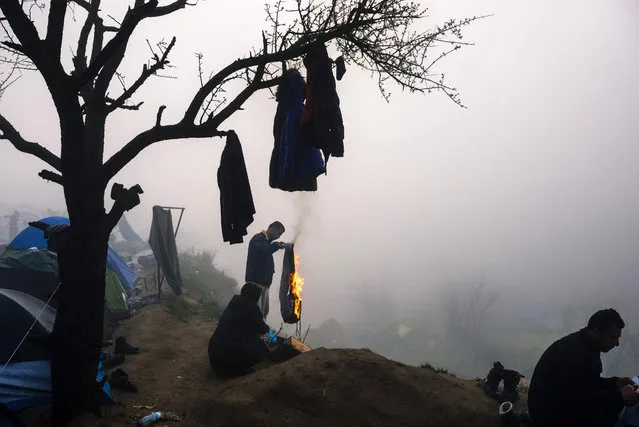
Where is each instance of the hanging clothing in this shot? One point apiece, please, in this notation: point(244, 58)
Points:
point(322, 118)
point(236, 200)
point(162, 242)
point(287, 299)
point(295, 164)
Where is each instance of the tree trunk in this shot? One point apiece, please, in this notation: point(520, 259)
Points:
point(77, 335)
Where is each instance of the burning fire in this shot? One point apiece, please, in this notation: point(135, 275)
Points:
point(297, 282)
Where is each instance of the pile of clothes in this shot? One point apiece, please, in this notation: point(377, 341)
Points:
point(308, 123)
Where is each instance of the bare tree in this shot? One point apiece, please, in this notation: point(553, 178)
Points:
point(377, 35)
point(467, 312)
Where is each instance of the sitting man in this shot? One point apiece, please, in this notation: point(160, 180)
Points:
point(566, 388)
point(236, 345)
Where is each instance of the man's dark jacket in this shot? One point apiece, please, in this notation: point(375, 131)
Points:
point(567, 390)
point(236, 200)
point(260, 265)
point(236, 340)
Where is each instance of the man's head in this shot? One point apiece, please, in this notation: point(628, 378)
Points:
point(275, 230)
point(251, 292)
point(605, 328)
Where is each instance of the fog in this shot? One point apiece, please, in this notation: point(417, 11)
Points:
point(530, 192)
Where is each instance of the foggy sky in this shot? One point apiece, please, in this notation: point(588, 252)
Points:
point(533, 187)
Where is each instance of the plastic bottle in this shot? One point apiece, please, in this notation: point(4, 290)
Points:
point(150, 419)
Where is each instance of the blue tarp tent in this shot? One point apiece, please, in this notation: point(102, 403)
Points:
point(32, 237)
point(25, 368)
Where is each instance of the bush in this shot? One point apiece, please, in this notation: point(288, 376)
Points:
point(430, 367)
point(211, 285)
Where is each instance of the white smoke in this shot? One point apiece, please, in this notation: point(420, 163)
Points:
point(302, 206)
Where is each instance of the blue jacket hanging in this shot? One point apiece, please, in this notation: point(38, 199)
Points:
point(295, 164)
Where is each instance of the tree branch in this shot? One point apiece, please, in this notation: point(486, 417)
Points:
point(155, 134)
point(55, 27)
point(13, 136)
point(114, 49)
point(292, 52)
point(23, 28)
point(116, 46)
point(80, 60)
point(169, 8)
point(183, 129)
point(114, 104)
point(51, 176)
point(147, 72)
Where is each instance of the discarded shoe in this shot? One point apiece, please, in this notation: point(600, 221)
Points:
point(122, 347)
point(119, 380)
point(111, 360)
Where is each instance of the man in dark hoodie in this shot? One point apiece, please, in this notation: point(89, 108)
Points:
point(236, 345)
point(566, 388)
point(260, 265)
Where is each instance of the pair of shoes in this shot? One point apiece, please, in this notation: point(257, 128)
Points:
point(119, 380)
point(111, 360)
point(122, 347)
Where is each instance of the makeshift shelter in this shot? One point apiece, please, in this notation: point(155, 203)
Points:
point(27, 266)
point(34, 272)
point(32, 237)
point(25, 366)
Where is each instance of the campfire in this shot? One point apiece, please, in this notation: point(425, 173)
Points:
point(297, 281)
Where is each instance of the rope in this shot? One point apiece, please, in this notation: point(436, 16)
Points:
point(30, 329)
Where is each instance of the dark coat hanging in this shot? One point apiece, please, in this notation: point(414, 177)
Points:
point(236, 200)
point(295, 164)
point(322, 119)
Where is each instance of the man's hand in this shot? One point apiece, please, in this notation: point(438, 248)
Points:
point(281, 245)
point(622, 382)
point(630, 397)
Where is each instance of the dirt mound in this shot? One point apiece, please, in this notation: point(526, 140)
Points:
point(347, 388)
point(327, 388)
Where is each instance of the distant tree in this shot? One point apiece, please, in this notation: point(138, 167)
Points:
point(467, 310)
point(380, 36)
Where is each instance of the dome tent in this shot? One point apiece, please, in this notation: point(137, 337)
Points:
point(30, 245)
point(25, 366)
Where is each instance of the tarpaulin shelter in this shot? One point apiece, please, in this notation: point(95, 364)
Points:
point(32, 237)
point(164, 247)
point(25, 366)
point(33, 271)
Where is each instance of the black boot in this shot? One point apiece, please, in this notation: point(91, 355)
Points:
point(111, 360)
point(122, 347)
point(119, 380)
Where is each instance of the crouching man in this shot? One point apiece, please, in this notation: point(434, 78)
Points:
point(236, 345)
point(567, 389)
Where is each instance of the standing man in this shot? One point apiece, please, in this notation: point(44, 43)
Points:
point(260, 265)
point(567, 390)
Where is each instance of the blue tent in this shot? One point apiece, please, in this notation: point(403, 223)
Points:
point(32, 237)
point(25, 368)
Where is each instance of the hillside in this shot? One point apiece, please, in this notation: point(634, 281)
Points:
point(321, 388)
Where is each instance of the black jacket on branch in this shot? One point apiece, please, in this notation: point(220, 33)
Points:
point(236, 344)
point(567, 390)
point(323, 115)
point(236, 200)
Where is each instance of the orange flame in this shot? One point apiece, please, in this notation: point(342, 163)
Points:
point(297, 281)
